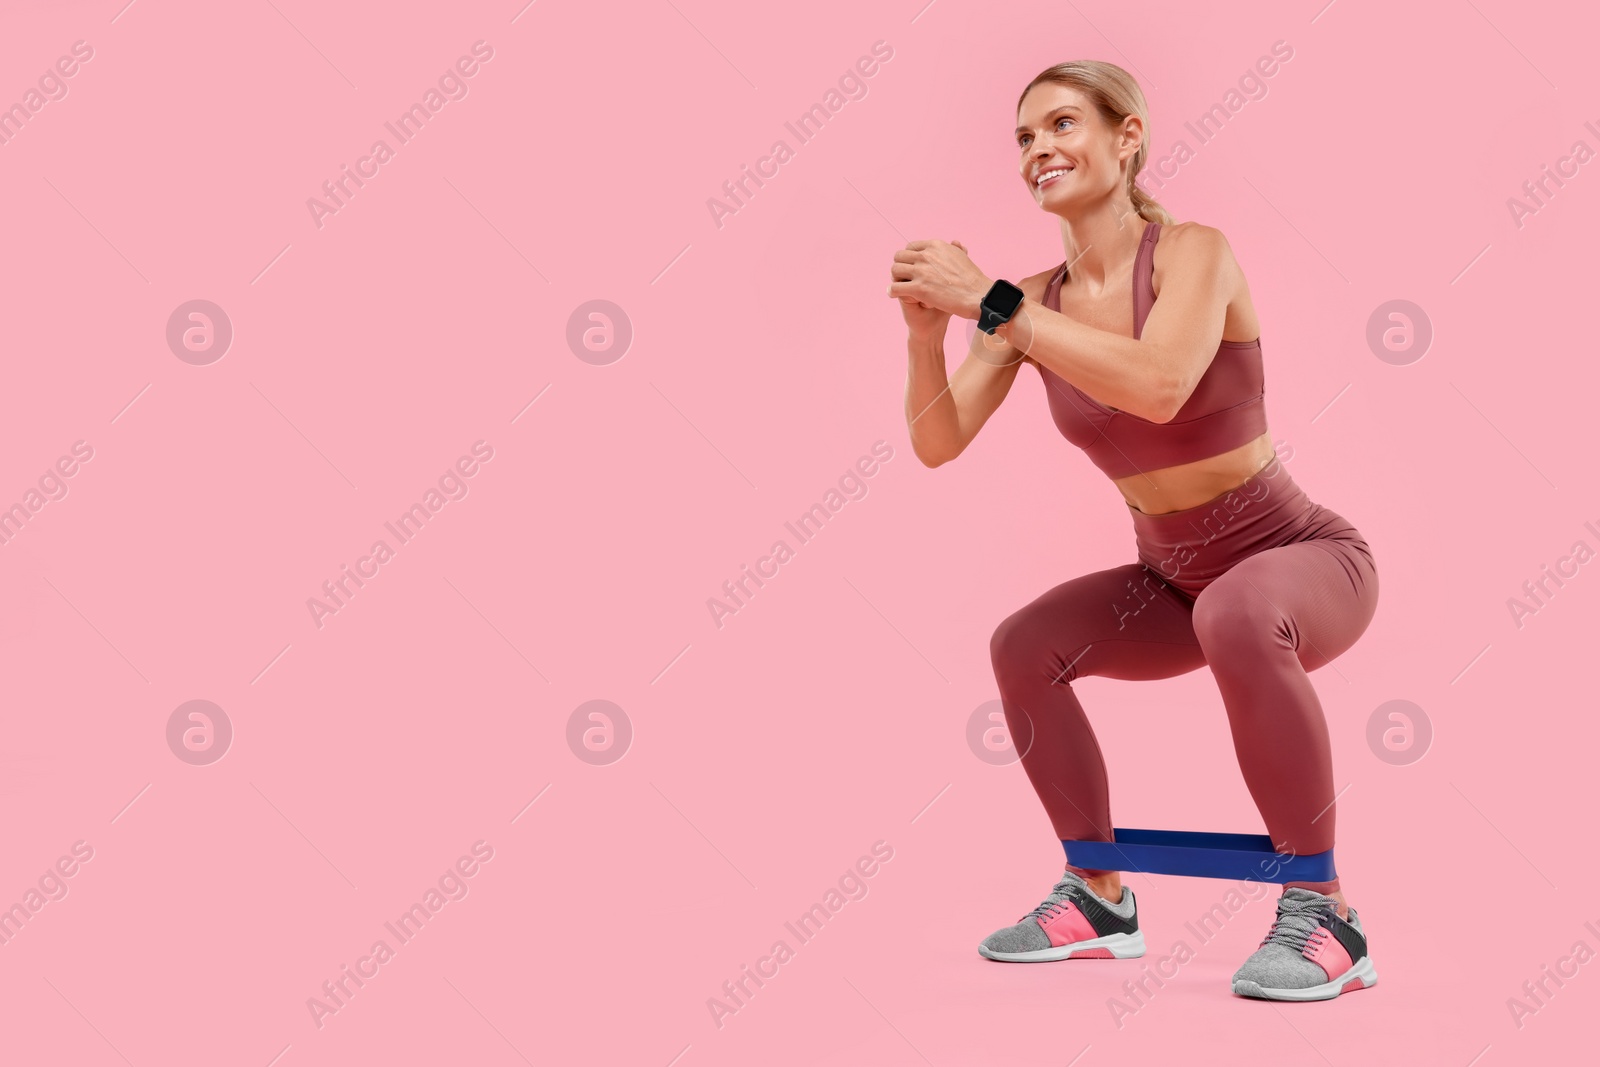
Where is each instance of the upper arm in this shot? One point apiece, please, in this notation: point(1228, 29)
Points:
point(1199, 277)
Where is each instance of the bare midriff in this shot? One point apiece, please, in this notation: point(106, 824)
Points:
point(1189, 484)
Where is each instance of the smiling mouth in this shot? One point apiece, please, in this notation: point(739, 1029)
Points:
point(1051, 176)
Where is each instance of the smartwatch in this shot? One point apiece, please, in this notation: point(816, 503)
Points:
point(998, 305)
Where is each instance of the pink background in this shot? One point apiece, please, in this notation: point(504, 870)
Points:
point(831, 712)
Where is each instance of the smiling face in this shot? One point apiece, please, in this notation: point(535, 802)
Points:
point(1069, 156)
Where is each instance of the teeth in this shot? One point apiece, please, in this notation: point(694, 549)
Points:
point(1051, 174)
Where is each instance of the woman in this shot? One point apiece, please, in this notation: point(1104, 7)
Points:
point(1148, 344)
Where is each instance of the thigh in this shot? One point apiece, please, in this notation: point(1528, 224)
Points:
point(1123, 622)
point(1315, 596)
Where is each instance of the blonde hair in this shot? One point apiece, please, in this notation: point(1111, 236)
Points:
point(1115, 96)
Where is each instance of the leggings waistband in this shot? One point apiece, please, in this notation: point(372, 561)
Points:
point(1271, 485)
point(1192, 547)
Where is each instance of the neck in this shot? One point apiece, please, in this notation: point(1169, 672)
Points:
point(1102, 244)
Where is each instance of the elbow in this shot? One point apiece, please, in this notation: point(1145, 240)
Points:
point(1165, 414)
point(1170, 398)
point(929, 458)
point(931, 455)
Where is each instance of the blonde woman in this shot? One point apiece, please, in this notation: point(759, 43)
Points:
point(1149, 347)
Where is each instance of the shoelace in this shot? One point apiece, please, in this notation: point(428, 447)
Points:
point(1058, 899)
point(1296, 924)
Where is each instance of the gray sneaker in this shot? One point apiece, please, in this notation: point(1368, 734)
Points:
point(1309, 954)
point(1073, 922)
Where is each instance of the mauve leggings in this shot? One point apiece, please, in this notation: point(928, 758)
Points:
point(1259, 583)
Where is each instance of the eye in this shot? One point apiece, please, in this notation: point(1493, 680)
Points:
point(1022, 141)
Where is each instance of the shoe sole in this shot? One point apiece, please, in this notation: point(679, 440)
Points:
point(1361, 975)
point(1112, 946)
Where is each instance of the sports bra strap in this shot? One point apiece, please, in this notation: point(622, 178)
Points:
point(1144, 277)
point(1144, 272)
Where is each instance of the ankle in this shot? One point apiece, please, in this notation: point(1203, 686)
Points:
point(1106, 884)
point(1341, 908)
point(1327, 888)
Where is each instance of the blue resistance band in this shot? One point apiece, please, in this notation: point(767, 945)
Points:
point(1199, 855)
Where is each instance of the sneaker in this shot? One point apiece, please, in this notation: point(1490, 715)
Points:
point(1309, 954)
point(1073, 921)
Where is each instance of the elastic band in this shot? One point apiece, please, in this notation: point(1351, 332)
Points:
point(1199, 854)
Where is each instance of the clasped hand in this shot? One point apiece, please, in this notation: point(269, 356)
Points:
point(939, 275)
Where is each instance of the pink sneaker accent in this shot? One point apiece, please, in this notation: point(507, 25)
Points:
point(1094, 954)
point(1323, 949)
point(1066, 924)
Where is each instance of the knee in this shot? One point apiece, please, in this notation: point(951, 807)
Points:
point(1019, 645)
point(1010, 644)
point(1235, 615)
point(1027, 645)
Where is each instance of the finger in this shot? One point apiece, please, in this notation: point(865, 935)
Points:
point(959, 245)
point(901, 272)
point(906, 256)
point(917, 246)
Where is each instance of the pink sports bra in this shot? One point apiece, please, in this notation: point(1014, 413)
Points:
point(1226, 410)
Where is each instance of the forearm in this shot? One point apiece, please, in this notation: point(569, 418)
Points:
point(931, 414)
point(1120, 372)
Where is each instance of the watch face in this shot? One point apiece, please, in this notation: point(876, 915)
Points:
point(1004, 299)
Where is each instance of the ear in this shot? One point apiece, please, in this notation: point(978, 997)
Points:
point(1132, 136)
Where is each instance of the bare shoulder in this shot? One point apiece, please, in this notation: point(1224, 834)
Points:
point(1034, 285)
point(1199, 254)
point(1194, 245)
